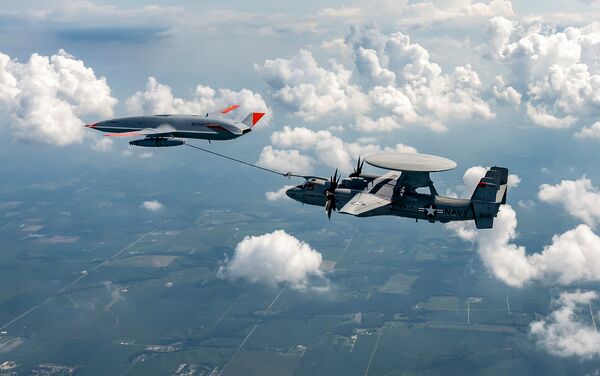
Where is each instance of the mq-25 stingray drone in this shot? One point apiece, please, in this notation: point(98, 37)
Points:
point(169, 129)
point(395, 193)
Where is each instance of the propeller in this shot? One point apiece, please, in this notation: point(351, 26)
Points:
point(330, 194)
point(358, 169)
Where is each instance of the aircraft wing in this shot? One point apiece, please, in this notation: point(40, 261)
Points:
point(377, 195)
point(363, 203)
point(160, 131)
point(223, 111)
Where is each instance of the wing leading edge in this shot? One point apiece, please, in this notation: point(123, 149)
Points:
point(160, 131)
point(362, 203)
point(223, 111)
point(377, 195)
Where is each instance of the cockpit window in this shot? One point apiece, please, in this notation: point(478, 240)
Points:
point(309, 186)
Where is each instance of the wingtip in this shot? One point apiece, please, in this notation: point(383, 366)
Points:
point(230, 108)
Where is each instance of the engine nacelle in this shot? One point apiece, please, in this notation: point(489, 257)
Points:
point(157, 142)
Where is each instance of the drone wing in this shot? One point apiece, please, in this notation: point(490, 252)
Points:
point(223, 111)
point(162, 131)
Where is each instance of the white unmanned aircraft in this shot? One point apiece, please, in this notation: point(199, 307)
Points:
point(163, 130)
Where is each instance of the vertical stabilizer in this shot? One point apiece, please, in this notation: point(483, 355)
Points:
point(489, 194)
point(253, 118)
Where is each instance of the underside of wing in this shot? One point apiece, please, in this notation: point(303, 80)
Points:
point(163, 131)
point(363, 203)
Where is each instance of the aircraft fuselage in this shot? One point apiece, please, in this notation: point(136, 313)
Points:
point(432, 208)
point(183, 126)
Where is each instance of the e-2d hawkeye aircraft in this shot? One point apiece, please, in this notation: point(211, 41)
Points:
point(395, 193)
point(163, 130)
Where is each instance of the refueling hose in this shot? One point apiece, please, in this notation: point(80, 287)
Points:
point(286, 174)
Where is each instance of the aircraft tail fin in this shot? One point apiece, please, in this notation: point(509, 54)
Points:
point(253, 118)
point(492, 187)
point(489, 194)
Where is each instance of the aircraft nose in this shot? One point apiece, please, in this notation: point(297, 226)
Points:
point(293, 193)
point(93, 125)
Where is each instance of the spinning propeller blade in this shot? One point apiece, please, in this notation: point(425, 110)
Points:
point(358, 169)
point(330, 194)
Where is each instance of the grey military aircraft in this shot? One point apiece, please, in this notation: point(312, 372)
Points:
point(164, 130)
point(398, 191)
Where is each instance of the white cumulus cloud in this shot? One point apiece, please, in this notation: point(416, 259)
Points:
point(500, 29)
point(578, 197)
point(159, 99)
point(45, 98)
point(567, 331)
point(342, 12)
point(473, 174)
point(323, 147)
point(556, 69)
point(310, 90)
point(392, 83)
point(285, 160)
point(505, 93)
point(526, 204)
point(274, 258)
point(278, 194)
point(102, 144)
point(435, 12)
point(593, 131)
point(152, 205)
point(572, 257)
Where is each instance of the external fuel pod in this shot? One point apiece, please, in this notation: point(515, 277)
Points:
point(157, 142)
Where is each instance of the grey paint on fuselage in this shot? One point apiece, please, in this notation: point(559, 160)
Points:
point(400, 192)
point(433, 208)
point(312, 192)
point(184, 126)
point(428, 207)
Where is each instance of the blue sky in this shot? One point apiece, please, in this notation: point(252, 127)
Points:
point(481, 82)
